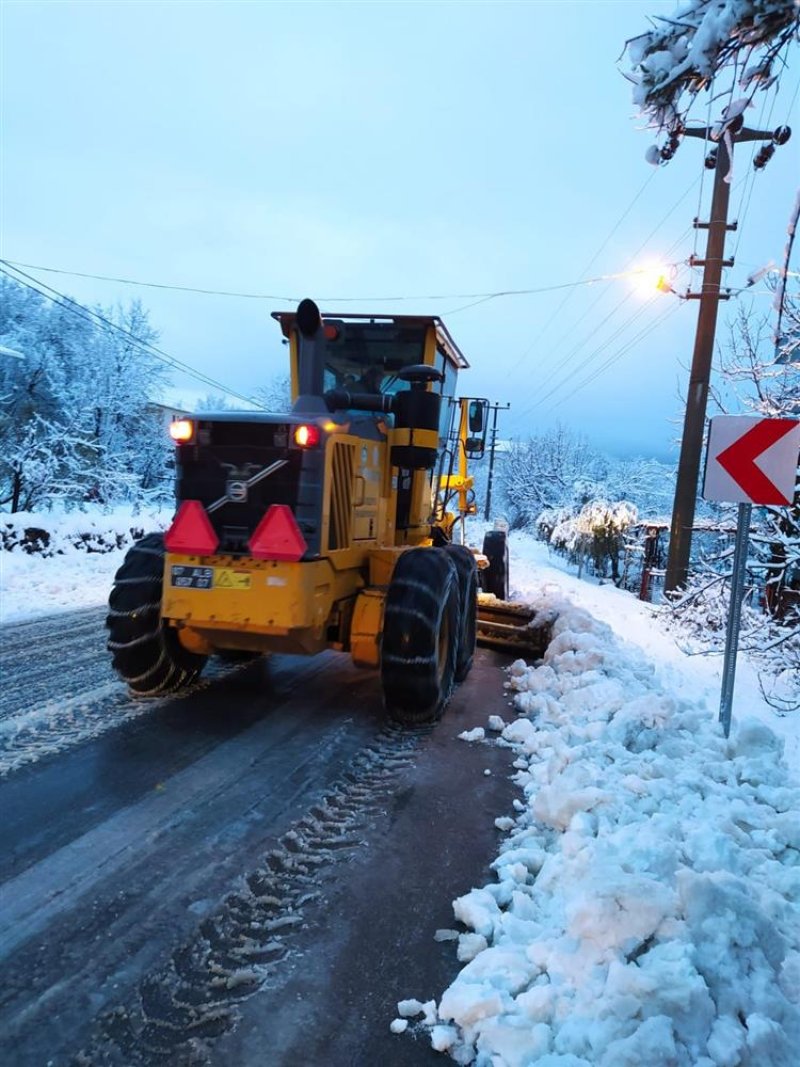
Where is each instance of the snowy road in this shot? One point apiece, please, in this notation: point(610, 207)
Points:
point(264, 849)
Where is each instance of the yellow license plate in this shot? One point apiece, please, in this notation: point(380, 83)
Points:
point(226, 578)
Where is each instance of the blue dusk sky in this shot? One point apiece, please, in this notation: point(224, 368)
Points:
point(355, 152)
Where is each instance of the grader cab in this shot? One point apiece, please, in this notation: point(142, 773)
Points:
point(331, 526)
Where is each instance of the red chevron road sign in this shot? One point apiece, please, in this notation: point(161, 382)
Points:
point(751, 460)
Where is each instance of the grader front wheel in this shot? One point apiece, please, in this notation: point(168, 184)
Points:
point(420, 636)
point(145, 653)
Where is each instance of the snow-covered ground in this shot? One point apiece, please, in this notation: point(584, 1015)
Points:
point(646, 903)
point(77, 573)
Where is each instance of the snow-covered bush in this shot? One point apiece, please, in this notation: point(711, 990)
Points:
point(698, 617)
point(595, 535)
point(57, 532)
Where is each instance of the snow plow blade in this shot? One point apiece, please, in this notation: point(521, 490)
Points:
point(510, 627)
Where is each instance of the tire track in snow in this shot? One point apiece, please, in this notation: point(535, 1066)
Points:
point(247, 941)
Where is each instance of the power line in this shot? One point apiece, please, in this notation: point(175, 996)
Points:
point(90, 315)
point(478, 297)
point(592, 356)
point(588, 266)
point(622, 351)
point(602, 347)
point(598, 351)
point(147, 285)
point(574, 325)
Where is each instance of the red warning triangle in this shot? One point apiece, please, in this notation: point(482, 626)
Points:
point(278, 536)
point(191, 533)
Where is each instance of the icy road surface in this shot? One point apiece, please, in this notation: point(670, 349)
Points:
point(261, 862)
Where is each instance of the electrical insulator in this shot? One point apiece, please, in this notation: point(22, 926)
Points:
point(763, 156)
point(711, 160)
point(782, 135)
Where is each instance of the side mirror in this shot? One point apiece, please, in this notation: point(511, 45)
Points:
point(477, 415)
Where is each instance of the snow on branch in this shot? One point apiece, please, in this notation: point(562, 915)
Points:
point(682, 55)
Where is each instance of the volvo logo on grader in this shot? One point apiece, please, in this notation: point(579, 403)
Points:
point(236, 492)
point(338, 524)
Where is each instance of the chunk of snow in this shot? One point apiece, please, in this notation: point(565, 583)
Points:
point(398, 1026)
point(469, 945)
point(446, 935)
point(443, 1037)
point(476, 734)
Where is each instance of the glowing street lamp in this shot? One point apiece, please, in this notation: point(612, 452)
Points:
point(652, 278)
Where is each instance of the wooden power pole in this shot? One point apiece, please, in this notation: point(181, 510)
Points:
point(680, 541)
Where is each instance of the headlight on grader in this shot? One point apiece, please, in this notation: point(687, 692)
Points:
point(181, 431)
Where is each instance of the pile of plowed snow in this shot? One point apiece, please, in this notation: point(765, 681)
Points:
point(646, 902)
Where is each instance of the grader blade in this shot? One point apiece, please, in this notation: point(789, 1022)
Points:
point(510, 627)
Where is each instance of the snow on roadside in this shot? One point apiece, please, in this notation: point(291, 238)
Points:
point(80, 564)
point(534, 571)
point(646, 907)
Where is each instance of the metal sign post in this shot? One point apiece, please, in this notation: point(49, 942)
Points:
point(734, 616)
point(749, 461)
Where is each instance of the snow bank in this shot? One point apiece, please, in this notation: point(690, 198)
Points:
point(646, 908)
point(59, 561)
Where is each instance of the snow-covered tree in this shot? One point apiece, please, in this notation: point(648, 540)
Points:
point(650, 484)
point(555, 469)
point(275, 395)
point(736, 46)
point(213, 402)
point(75, 421)
point(751, 381)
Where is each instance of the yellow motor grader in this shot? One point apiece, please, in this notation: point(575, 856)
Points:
point(331, 526)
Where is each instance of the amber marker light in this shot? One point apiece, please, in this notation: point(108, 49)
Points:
point(181, 431)
point(306, 436)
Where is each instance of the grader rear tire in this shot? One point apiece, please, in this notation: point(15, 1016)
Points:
point(468, 589)
point(420, 636)
point(145, 653)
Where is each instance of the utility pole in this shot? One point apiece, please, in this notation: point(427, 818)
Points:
point(495, 408)
point(680, 541)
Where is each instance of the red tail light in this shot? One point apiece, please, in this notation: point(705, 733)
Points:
point(307, 436)
point(191, 533)
point(278, 536)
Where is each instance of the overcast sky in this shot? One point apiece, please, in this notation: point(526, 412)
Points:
point(351, 151)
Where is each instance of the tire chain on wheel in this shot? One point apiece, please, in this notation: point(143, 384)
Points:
point(468, 589)
point(423, 596)
point(146, 653)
